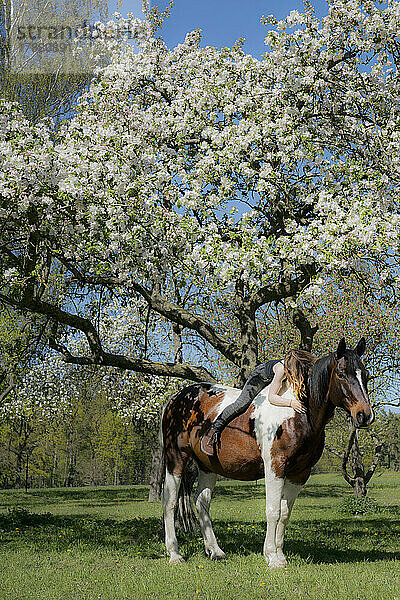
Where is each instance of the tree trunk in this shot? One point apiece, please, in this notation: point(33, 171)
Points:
point(248, 341)
point(69, 479)
point(357, 466)
point(360, 487)
point(19, 466)
point(307, 332)
point(27, 472)
point(359, 479)
point(157, 472)
point(116, 471)
point(67, 459)
point(53, 469)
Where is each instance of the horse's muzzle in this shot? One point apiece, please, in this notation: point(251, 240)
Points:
point(364, 419)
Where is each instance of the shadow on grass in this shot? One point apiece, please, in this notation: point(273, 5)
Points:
point(48, 532)
point(341, 540)
point(85, 496)
point(330, 541)
point(239, 492)
point(324, 491)
point(108, 496)
point(320, 554)
point(251, 490)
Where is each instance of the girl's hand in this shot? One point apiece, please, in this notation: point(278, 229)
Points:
point(297, 406)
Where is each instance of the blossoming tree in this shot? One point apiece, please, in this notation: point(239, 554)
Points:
point(206, 182)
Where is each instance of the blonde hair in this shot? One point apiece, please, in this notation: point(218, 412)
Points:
point(297, 366)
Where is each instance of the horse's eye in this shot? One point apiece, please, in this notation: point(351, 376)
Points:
point(340, 374)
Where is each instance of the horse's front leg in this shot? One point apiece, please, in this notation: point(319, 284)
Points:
point(290, 493)
point(274, 491)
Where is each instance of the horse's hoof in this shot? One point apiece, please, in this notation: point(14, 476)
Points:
point(276, 563)
point(176, 559)
point(218, 555)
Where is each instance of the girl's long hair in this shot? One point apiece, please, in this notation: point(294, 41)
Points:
point(297, 365)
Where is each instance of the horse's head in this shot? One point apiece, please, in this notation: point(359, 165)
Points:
point(348, 383)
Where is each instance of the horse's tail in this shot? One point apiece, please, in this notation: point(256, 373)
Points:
point(161, 445)
point(160, 434)
point(185, 516)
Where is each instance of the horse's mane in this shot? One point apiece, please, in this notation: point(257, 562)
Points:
point(319, 379)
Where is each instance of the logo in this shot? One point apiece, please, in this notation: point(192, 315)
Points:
point(56, 36)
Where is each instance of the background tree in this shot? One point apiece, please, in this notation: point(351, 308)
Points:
point(259, 180)
point(62, 426)
point(44, 90)
point(391, 441)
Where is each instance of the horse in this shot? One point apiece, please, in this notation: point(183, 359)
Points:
point(266, 441)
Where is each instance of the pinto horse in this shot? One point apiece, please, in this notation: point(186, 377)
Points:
point(267, 440)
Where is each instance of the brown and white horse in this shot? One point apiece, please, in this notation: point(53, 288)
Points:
point(267, 440)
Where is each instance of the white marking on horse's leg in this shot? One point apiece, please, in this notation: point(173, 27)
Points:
point(274, 490)
point(202, 499)
point(169, 498)
point(267, 419)
point(290, 493)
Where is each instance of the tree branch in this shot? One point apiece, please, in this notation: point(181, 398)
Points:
point(99, 356)
point(377, 456)
point(341, 58)
point(333, 451)
point(285, 289)
point(171, 311)
point(139, 365)
point(61, 316)
point(181, 316)
point(10, 387)
point(307, 332)
point(345, 458)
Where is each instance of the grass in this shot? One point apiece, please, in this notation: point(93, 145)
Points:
point(106, 543)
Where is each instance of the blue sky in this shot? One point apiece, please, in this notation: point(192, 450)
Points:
point(222, 21)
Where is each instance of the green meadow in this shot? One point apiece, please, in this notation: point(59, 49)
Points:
point(107, 543)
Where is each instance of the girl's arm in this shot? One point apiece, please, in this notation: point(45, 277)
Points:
point(274, 388)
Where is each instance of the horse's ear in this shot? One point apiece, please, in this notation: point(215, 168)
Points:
point(341, 349)
point(361, 347)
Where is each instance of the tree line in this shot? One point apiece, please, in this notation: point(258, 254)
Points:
point(90, 445)
point(93, 445)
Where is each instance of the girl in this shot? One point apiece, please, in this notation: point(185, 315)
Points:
point(295, 369)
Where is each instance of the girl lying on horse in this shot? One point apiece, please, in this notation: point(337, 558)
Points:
point(295, 369)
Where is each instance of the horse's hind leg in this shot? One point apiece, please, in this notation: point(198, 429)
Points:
point(169, 499)
point(202, 498)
